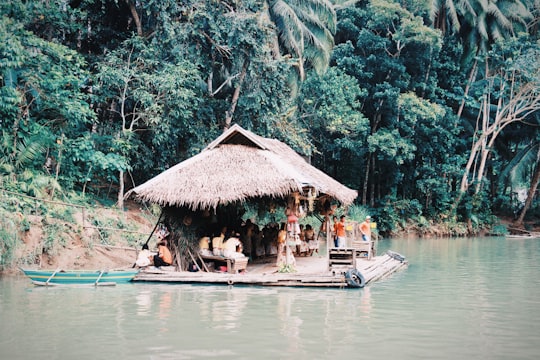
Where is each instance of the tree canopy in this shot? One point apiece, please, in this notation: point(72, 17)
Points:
point(429, 109)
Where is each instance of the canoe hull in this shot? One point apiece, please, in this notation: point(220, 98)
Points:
point(80, 277)
point(521, 236)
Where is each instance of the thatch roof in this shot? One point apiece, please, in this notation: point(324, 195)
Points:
point(237, 166)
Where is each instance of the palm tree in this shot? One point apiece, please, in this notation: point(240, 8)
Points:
point(479, 23)
point(491, 20)
point(305, 31)
point(444, 14)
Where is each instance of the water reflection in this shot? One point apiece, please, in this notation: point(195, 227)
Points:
point(365, 302)
point(289, 321)
point(227, 309)
point(144, 302)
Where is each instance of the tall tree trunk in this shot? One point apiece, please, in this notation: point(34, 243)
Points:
point(61, 147)
point(484, 148)
point(472, 76)
point(121, 189)
point(370, 158)
point(372, 186)
point(485, 145)
point(366, 180)
point(464, 185)
point(426, 78)
point(135, 16)
point(236, 95)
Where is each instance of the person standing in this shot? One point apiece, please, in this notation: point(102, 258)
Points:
point(340, 232)
point(309, 236)
point(281, 246)
point(334, 232)
point(365, 229)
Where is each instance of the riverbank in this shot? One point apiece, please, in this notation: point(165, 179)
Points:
point(84, 238)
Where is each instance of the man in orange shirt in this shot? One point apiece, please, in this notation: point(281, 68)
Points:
point(365, 229)
point(340, 232)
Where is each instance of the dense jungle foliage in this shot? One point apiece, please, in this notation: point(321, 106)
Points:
point(430, 109)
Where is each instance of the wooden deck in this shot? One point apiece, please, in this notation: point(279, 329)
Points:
point(313, 271)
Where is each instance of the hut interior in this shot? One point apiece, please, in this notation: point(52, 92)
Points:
point(255, 222)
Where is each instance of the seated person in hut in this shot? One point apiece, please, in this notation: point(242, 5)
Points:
point(143, 259)
point(232, 247)
point(164, 256)
point(204, 246)
point(217, 242)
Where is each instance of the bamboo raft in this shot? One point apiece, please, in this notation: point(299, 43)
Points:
point(311, 271)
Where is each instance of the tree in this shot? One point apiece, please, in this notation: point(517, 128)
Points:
point(304, 31)
point(535, 179)
point(389, 51)
point(142, 94)
point(510, 95)
point(330, 106)
point(44, 99)
point(480, 23)
point(522, 169)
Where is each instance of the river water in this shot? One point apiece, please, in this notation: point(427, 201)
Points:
point(465, 298)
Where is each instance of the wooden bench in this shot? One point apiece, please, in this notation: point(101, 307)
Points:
point(234, 265)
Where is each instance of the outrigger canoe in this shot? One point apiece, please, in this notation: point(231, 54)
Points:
point(80, 277)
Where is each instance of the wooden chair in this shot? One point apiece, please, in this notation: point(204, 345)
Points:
point(364, 249)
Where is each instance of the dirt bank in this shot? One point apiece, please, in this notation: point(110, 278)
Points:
point(92, 243)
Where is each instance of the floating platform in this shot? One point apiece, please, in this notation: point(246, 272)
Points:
point(312, 271)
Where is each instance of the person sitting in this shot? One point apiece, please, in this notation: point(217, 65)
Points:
point(143, 259)
point(204, 246)
point(232, 247)
point(217, 242)
point(163, 257)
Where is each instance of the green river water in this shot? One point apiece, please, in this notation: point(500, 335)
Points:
point(462, 298)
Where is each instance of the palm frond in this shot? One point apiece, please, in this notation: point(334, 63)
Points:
point(515, 173)
point(500, 17)
point(28, 151)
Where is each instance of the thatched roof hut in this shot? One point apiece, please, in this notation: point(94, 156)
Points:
point(236, 167)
